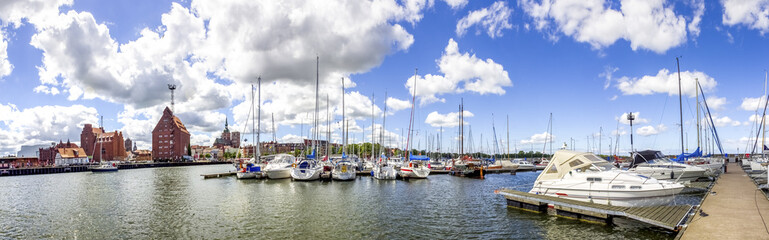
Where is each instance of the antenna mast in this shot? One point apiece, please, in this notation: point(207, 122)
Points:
point(172, 87)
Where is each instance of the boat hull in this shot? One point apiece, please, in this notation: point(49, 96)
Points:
point(385, 173)
point(653, 197)
point(103, 169)
point(343, 176)
point(282, 173)
point(246, 175)
point(306, 174)
point(418, 173)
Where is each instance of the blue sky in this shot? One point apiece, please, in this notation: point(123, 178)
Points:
point(63, 63)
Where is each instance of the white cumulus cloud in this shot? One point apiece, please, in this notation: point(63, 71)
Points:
point(752, 13)
point(539, 138)
point(651, 130)
point(666, 82)
point(462, 73)
point(42, 125)
point(451, 119)
point(753, 104)
point(646, 24)
point(493, 19)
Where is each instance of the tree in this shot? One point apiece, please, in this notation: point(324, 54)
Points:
point(189, 150)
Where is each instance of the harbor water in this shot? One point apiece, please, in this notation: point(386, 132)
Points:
point(177, 203)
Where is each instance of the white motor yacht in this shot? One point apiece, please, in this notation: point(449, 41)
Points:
point(652, 163)
point(416, 167)
point(306, 170)
point(586, 177)
point(524, 165)
point(280, 166)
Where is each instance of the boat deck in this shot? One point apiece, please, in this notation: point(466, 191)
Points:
point(668, 217)
point(733, 210)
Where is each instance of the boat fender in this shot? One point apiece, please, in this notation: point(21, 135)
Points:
point(671, 175)
point(372, 173)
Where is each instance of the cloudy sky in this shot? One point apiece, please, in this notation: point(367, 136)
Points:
point(64, 63)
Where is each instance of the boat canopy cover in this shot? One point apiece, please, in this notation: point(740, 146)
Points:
point(645, 156)
point(681, 158)
point(419, 157)
point(304, 164)
point(565, 161)
point(311, 156)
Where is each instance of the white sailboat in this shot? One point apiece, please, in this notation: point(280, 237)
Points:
point(309, 169)
point(103, 167)
point(253, 167)
point(344, 170)
point(586, 177)
point(414, 167)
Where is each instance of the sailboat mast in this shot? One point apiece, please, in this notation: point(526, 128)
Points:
point(384, 120)
point(372, 126)
point(315, 121)
point(411, 119)
point(328, 129)
point(680, 105)
point(253, 116)
point(697, 94)
point(259, 119)
point(344, 123)
point(507, 155)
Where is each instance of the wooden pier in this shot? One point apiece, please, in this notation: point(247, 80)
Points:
point(218, 175)
point(732, 209)
point(667, 217)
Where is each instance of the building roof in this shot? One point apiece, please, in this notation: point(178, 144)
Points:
point(72, 152)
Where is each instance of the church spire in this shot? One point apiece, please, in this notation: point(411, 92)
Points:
point(226, 125)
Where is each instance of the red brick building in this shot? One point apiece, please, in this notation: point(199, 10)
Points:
point(48, 155)
point(229, 139)
point(170, 139)
point(111, 144)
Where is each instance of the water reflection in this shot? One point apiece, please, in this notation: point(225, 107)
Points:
point(172, 203)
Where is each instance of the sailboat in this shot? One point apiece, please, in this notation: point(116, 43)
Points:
point(103, 167)
point(414, 166)
point(383, 169)
point(309, 169)
point(252, 168)
point(654, 164)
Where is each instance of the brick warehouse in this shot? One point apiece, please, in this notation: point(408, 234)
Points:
point(170, 139)
point(111, 144)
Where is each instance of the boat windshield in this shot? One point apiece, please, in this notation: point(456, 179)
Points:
point(601, 166)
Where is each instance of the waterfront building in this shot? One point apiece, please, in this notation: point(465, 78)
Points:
point(48, 154)
point(31, 150)
point(170, 138)
point(229, 139)
point(70, 156)
point(129, 145)
point(111, 144)
point(19, 162)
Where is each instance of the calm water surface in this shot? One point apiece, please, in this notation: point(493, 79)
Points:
point(174, 203)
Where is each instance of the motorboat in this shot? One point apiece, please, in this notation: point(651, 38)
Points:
point(524, 165)
point(104, 167)
point(712, 165)
point(415, 167)
point(467, 166)
point(508, 164)
point(248, 169)
point(652, 163)
point(437, 164)
point(586, 177)
point(343, 170)
point(306, 170)
point(279, 167)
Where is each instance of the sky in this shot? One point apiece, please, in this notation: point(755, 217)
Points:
point(66, 63)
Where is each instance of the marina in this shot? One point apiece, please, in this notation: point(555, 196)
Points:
point(176, 202)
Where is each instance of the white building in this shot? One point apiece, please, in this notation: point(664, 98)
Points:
point(70, 156)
